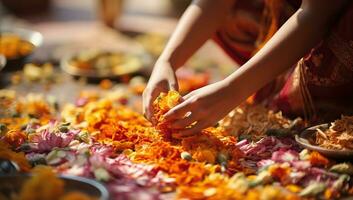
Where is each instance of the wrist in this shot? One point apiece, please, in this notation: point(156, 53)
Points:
point(232, 90)
point(165, 63)
point(241, 85)
point(174, 59)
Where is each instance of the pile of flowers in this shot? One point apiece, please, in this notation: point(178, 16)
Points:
point(256, 121)
point(103, 139)
point(338, 136)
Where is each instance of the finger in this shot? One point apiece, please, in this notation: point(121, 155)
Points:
point(183, 123)
point(145, 105)
point(178, 111)
point(149, 110)
point(150, 113)
point(174, 86)
point(197, 128)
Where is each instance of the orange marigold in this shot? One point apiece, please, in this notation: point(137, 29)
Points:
point(205, 155)
point(106, 84)
point(280, 172)
point(43, 185)
point(15, 138)
point(19, 158)
point(331, 194)
point(162, 105)
point(316, 159)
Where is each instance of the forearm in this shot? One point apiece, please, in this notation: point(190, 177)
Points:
point(292, 41)
point(198, 24)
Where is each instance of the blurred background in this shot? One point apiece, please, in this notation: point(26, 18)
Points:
point(95, 42)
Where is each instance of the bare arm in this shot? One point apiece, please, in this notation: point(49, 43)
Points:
point(197, 25)
point(292, 41)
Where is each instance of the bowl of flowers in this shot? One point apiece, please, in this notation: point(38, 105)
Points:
point(334, 140)
point(17, 44)
point(43, 183)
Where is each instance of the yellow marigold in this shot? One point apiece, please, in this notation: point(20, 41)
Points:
point(294, 188)
point(14, 123)
point(276, 193)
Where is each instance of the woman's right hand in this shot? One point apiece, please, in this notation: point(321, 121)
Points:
point(162, 79)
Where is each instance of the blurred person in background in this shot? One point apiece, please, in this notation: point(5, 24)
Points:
point(295, 56)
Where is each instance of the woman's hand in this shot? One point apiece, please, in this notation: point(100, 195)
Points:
point(205, 106)
point(205, 15)
point(162, 79)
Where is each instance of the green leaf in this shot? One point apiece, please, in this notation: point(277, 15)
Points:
point(343, 168)
point(313, 190)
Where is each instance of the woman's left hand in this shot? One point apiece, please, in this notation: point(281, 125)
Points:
point(205, 106)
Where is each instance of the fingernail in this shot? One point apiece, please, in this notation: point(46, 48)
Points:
point(165, 117)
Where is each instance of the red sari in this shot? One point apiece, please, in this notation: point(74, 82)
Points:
point(320, 86)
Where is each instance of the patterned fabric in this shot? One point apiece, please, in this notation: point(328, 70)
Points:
point(320, 86)
point(251, 24)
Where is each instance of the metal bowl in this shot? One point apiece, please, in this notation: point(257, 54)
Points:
point(33, 37)
point(306, 138)
point(12, 183)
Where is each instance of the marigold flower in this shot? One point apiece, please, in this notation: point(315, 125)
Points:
point(294, 188)
point(121, 145)
point(316, 159)
point(106, 84)
point(15, 137)
point(19, 158)
point(280, 172)
point(205, 155)
point(52, 189)
point(162, 105)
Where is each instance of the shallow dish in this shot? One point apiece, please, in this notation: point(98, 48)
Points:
point(33, 37)
point(13, 182)
point(133, 63)
point(308, 135)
